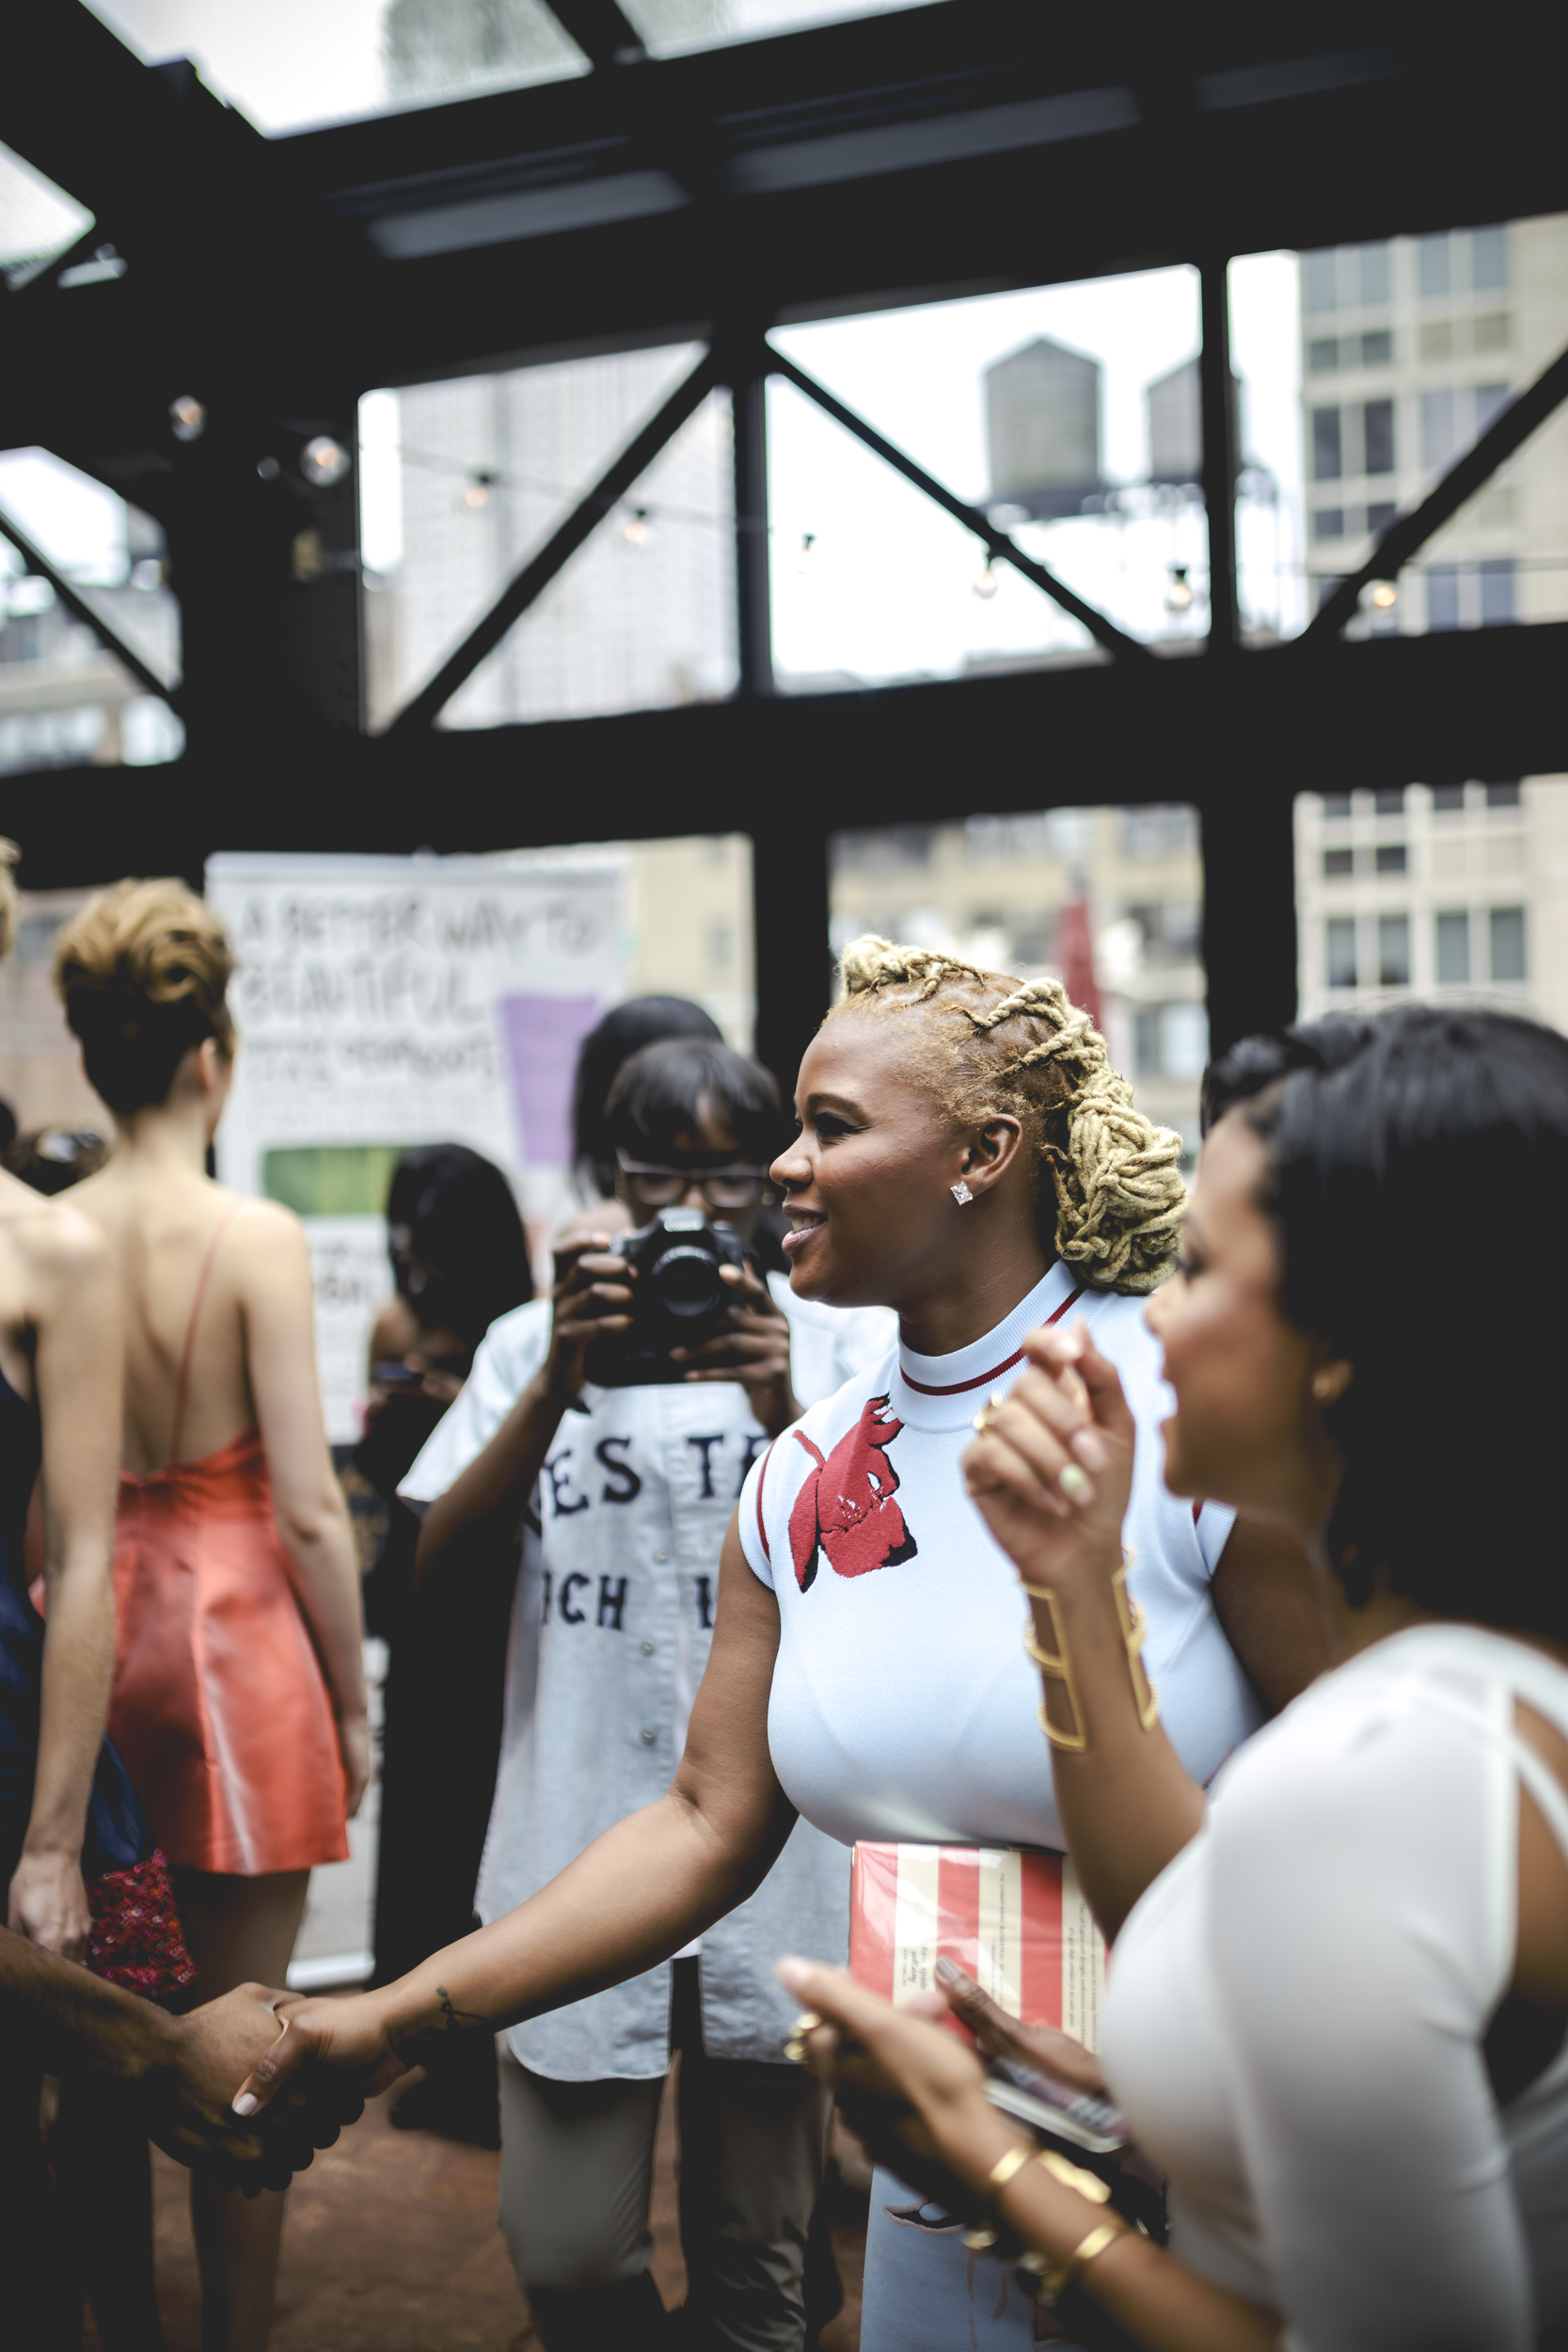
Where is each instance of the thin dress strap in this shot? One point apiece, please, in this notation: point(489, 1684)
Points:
point(221, 1228)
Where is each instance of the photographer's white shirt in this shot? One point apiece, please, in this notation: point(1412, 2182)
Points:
point(610, 1635)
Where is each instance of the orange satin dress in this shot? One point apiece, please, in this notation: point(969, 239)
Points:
point(220, 1709)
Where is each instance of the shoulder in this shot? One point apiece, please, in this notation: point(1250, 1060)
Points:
point(518, 1337)
point(54, 1243)
point(262, 1228)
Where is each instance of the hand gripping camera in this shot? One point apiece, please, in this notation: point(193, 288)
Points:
point(678, 1298)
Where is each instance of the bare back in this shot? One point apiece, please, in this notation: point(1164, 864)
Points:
point(175, 1234)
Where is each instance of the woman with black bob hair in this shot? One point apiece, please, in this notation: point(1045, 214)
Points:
point(624, 1031)
point(1335, 2013)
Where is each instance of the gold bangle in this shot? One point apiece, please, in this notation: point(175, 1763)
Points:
point(1133, 1627)
point(1073, 2176)
point(1105, 2234)
point(1007, 2168)
point(1058, 1665)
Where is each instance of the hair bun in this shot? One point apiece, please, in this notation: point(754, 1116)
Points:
point(143, 972)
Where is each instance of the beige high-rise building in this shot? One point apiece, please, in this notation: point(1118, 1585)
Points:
point(1457, 890)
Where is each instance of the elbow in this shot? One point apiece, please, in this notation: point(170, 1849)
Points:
point(307, 1526)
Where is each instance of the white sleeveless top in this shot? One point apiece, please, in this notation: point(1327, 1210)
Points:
point(1296, 2007)
point(903, 1705)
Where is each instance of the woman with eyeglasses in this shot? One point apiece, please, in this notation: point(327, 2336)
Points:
point(636, 1486)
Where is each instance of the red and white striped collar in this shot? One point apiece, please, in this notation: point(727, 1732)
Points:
point(947, 1381)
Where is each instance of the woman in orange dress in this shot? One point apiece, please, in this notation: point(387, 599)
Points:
point(239, 1696)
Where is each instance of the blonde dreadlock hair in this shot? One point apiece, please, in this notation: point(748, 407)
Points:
point(1117, 1188)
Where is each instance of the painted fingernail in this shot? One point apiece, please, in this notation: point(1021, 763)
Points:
point(246, 2104)
point(807, 2022)
point(1075, 1483)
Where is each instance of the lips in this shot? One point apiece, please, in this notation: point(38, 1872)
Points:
point(803, 1224)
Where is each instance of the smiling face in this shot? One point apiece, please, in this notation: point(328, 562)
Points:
point(866, 1182)
point(1246, 1429)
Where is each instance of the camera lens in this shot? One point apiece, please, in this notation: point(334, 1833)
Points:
point(686, 1281)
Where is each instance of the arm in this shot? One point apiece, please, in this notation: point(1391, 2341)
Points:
point(1266, 1598)
point(78, 1366)
point(628, 1900)
point(1126, 1802)
point(493, 1488)
point(308, 1502)
point(872, 2047)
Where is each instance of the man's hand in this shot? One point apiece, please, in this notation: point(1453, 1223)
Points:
point(48, 1904)
point(754, 1351)
point(190, 2096)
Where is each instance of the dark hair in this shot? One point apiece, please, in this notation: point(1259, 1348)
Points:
point(624, 1030)
point(1253, 1063)
point(1393, 1180)
point(455, 1212)
point(661, 1091)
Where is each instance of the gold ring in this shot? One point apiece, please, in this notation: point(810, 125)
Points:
point(992, 1405)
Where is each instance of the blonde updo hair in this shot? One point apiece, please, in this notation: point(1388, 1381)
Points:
point(10, 901)
point(1112, 1204)
point(142, 971)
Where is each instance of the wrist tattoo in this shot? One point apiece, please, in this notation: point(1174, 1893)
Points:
point(453, 2019)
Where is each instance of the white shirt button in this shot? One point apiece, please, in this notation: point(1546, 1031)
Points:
point(659, 1558)
point(648, 1739)
point(648, 1649)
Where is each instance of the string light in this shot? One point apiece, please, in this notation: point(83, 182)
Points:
point(636, 531)
point(324, 461)
point(1384, 595)
point(985, 587)
point(188, 418)
point(1179, 595)
point(808, 540)
point(477, 495)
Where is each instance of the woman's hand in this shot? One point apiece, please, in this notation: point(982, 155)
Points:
point(350, 2036)
point(591, 1298)
point(354, 1746)
point(48, 1904)
point(1044, 2049)
point(1051, 1469)
point(752, 1352)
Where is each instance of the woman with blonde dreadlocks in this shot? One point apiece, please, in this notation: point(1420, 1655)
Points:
point(966, 1156)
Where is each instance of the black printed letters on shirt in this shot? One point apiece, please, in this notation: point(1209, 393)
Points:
point(630, 1483)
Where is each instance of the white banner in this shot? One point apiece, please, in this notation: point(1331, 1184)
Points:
point(384, 1002)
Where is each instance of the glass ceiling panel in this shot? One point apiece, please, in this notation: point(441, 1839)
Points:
point(296, 63)
point(669, 26)
point(38, 221)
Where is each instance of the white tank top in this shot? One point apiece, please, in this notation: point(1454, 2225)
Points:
point(1296, 2006)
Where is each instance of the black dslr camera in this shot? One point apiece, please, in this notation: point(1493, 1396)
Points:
point(677, 1301)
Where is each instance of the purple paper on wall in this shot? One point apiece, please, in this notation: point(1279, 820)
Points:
point(540, 1036)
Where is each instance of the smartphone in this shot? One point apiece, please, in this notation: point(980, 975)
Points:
point(1075, 2115)
point(396, 1377)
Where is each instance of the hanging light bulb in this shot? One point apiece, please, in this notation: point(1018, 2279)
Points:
point(477, 495)
point(636, 531)
point(188, 418)
point(1179, 595)
point(808, 540)
point(1384, 595)
point(324, 461)
point(986, 586)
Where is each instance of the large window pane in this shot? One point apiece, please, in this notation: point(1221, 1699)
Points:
point(1110, 900)
point(462, 482)
point(669, 26)
point(39, 221)
point(1369, 369)
point(64, 697)
point(295, 62)
point(1071, 412)
point(1448, 887)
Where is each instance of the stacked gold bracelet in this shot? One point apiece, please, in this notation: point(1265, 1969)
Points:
point(1057, 1664)
point(1054, 2273)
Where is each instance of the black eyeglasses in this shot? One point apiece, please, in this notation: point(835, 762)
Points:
point(657, 1187)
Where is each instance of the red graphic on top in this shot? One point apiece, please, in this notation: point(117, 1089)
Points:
point(846, 1508)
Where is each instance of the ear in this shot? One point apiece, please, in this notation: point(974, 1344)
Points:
point(211, 1068)
point(988, 1155)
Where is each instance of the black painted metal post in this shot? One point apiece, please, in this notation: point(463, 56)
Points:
point(794, 957)
point(1249, 910)
point(752, 600)
point(1221, 458)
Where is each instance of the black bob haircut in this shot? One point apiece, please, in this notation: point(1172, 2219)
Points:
point(640, 1021)
point(1253, 1063)
point(1395, 1180)
point(454, 1211)
point(661, 1091)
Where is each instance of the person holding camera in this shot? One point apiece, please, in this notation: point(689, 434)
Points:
point(635, 1399)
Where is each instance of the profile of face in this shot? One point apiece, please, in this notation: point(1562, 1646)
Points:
point(1250, 1386)
point(867, 1180)
point(704, 1168)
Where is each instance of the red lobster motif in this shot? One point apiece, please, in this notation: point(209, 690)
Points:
point(846, 1508)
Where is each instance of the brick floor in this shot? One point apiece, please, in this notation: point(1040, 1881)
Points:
point(391, 2245)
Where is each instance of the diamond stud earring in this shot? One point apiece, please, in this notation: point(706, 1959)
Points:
point(962, 1193)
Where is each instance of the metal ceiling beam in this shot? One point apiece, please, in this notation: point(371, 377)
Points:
point(76, 604)
point(419, 714)
point(1407, 533)
point(1001, 547)
point(602, 30)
